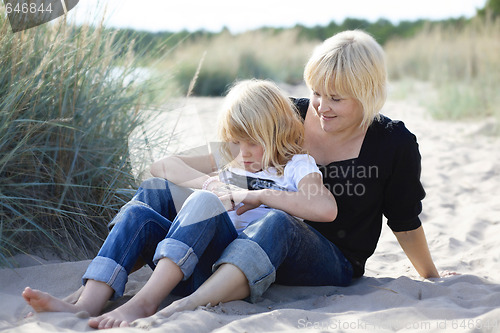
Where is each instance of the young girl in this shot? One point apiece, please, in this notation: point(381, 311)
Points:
point(262, 137)
point(262, 144)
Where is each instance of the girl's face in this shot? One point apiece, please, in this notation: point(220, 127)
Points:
point(248, 154)
point(337, 113)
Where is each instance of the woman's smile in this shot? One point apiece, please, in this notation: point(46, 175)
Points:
point(326, 117)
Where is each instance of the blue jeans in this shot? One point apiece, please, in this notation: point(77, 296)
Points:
point(276, 248)
point(149, 228)
point(283, 249)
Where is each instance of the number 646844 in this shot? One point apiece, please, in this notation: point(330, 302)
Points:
point(26, 8)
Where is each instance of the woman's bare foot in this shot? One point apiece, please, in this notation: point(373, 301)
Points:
point(43, 302)
point(123, 315)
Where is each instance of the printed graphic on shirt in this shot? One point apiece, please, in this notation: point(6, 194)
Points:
point(249, 182)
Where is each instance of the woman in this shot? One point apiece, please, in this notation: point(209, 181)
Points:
point(370, 163)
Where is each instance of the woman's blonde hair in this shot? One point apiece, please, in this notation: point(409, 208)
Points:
point(257, 111)
point(351, 64)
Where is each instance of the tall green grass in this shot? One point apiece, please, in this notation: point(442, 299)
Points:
point(462, 63)
point(265, 54)
point(69, 99)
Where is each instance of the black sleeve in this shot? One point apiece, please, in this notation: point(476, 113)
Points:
point(404, 192)
point(301, 104)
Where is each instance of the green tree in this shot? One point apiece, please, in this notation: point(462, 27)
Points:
point(492, 8)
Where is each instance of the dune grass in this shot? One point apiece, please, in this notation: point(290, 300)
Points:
point(70, 97)
point(462, 63)
point(264, 54)
point(460, 60)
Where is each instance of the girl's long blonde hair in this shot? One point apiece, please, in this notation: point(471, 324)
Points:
point(257, 110)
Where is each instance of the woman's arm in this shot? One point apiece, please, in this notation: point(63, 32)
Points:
point(415, 246)
point(187, 171)
point(312, 201)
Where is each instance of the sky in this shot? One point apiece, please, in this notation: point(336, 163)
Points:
point(242, 15)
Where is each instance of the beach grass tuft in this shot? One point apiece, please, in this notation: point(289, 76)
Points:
point(70, 98)
point(461, 63)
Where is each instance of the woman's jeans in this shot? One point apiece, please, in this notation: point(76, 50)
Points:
point(276, 248)
point(283, 249)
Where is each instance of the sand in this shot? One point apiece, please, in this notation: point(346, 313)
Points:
point(461, 175)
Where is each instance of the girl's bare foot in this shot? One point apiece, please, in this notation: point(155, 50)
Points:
point(43, 302)
point(184, 304)
point(124, 315)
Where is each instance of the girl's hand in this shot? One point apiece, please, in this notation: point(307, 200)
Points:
point(227, 201)
point(249, 199)
point(219, 188)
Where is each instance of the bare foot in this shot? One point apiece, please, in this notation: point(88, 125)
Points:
point(43, 302)
point(184, 304)
point(123, 316)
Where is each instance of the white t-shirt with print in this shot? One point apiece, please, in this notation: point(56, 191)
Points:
point(297, 168)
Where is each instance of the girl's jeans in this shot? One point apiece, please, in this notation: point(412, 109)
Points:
point(276, 248)
point(149, 228)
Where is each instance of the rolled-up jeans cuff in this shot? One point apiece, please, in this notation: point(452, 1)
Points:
point(181, 254)
point(108, 271)
point(253, 261)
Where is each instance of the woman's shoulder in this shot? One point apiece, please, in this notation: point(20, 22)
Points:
point(392, 130)
point(301, 104)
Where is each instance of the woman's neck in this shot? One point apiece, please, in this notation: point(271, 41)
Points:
point(333, 147)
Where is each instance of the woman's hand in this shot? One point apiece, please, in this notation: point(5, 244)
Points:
point(445, 274)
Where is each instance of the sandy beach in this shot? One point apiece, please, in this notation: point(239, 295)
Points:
point(461, 217)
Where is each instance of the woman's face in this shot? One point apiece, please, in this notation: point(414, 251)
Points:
point(336, 113)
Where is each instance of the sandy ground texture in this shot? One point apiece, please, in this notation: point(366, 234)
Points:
point(461, 175)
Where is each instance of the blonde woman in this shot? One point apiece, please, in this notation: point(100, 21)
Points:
point(369, 162)
point(262, 137)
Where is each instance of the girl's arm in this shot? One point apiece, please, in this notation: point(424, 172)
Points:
point(415, 246)
point(312, 201)
point(187, 171)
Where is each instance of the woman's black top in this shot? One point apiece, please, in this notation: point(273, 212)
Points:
point(383, 180)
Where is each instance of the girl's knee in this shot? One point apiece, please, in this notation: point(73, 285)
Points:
point(132, 214)
point(200, 206)
point(203, 198)
point(155, 183)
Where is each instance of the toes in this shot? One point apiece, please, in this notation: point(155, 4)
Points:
point(27, 294)
point(94, 322)
point(105, 323)
point(114, 323)
point(33, 294)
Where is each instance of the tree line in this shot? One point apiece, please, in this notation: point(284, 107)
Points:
point(382, 29)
